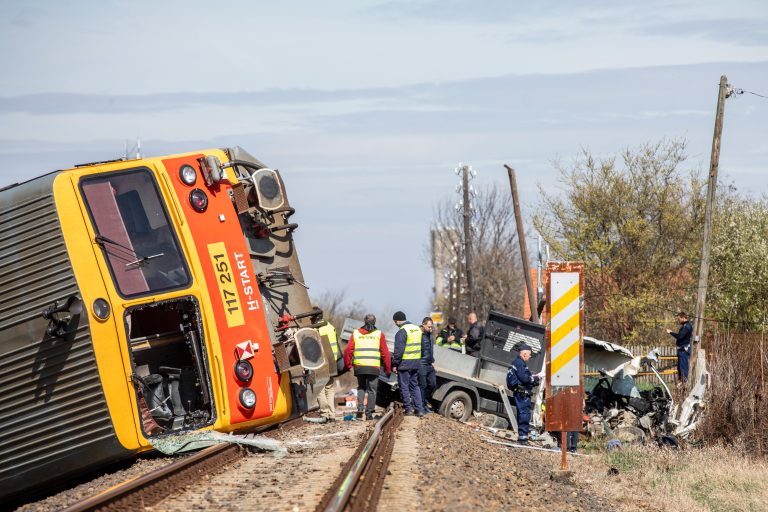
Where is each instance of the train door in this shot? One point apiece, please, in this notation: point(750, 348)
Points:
point(170, 370)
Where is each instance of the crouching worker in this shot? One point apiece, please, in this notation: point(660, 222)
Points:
point(367, 351)
point(521, 382)
point(327, 397)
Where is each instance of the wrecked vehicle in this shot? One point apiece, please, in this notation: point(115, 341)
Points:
point(618, 408)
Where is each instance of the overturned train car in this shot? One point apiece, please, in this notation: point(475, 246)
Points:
point(144, 298)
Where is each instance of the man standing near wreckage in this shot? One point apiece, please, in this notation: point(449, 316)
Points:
point(521, 382)
point(366, 351)
point(407, 360)
point(683, 343)
point(474, 336)
point(427, 375)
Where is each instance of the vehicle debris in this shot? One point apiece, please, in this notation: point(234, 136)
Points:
point(173, 444)
point(616, 407)
point(527, 446)
point(690, 411)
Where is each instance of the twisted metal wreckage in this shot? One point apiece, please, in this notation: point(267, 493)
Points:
point(616, 407)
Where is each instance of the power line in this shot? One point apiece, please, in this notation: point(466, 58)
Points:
point(742, 91)
point(669, 310)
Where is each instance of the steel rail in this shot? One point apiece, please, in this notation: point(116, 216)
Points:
point(201, 462)
point(134, 486)
point(348, 484)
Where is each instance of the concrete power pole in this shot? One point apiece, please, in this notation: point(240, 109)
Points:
point(523, 247)
point(701, 296)
point(467, 210)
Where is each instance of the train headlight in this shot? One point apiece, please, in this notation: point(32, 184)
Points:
point(268, 187)
point(247, 398)
point(243, 371)
point(101, 309)
point(188, 175)
point(198, 200)
point(269, 192)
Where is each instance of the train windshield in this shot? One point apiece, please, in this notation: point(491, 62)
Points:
point(134, 231)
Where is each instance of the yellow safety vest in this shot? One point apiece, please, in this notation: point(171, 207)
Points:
point(367, 348)
point(329, 330)
point(443, 342)
point(412, 341)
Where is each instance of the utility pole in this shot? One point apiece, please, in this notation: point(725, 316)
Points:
point(539, 275)
point(701, 295)
point(467, 210)
point(523, 247)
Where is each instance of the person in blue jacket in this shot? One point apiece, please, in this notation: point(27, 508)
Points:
point(683, 343)
point(407, 359)
point(427, 376)
point(521, 382)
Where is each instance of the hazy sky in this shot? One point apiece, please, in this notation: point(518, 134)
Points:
point(366, 107)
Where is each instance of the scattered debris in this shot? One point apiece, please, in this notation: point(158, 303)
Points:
point(321, 419)
point(693, 405)
point(193, 441)
point(527, 446)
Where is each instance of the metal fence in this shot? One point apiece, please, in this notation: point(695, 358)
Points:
point(667, 366)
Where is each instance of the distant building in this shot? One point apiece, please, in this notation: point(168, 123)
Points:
point(446, 253)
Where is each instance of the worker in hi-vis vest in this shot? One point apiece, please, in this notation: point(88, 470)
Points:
point(367, 352)
point(326, 399)
point(407, 360)
point(450, 336)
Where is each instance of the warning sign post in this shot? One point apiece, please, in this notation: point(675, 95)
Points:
point(564, 282)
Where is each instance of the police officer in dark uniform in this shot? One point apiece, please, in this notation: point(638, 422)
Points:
point(521, 382)
point(683, 343)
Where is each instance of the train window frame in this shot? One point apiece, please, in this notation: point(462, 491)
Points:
point(164, 217)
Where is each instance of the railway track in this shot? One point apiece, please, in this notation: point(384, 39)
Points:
point(152, 488)
point(155, 486)
point(358, 487)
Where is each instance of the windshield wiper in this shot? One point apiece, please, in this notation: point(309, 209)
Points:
point(139, 261)
point(101, 240)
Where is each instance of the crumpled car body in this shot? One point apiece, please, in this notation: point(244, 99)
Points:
point(616, 406)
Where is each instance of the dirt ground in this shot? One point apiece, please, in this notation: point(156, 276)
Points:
point(444, 465)
point(101, 482)
point(459, 471)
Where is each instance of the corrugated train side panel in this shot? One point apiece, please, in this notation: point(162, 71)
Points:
point(53, 415)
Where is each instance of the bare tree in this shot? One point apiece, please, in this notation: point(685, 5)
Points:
point(336, 308)
point(497, 274)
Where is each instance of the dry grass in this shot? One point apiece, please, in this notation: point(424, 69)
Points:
point(737, 403)
point(710, 479)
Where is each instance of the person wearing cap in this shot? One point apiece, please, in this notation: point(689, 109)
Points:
point(450, 336)
point(407, 360)
point(683, 343)
point(367, 351)
point(521, 382)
